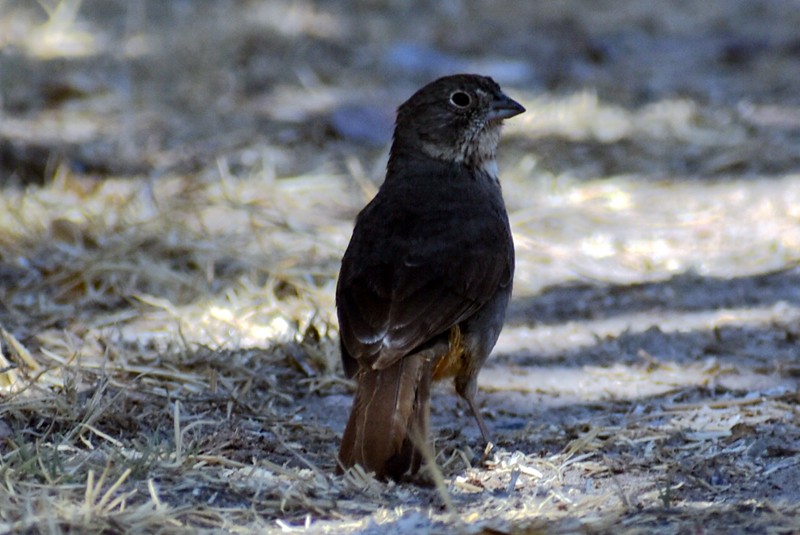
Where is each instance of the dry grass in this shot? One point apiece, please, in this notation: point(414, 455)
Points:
point(168, 352)
point(136, 309)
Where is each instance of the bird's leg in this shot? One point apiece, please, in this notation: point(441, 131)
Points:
point(466, 385)
point(478, 417)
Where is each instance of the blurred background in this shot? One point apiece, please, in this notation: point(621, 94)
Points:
point(661, 138)
point(154, 86)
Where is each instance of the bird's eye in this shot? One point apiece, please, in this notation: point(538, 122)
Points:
point(460, 99)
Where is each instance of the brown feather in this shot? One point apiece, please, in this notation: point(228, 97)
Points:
point(390, 411)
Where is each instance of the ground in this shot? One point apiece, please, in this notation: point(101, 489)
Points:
point(179, 181)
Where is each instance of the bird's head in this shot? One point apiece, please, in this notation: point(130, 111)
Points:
point(456, 118)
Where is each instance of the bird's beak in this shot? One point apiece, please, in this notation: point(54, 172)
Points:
point(504, 107)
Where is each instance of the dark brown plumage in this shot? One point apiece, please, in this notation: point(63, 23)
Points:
point(426, 279)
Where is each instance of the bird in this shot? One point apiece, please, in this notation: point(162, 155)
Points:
point(427, 276)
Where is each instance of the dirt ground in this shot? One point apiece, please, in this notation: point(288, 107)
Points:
point(179, 181)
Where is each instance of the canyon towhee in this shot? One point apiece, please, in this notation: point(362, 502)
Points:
point(426, 279)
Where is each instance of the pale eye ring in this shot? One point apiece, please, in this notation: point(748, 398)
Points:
point(460, 99)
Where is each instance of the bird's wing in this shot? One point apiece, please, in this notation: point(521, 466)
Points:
point(399, 288)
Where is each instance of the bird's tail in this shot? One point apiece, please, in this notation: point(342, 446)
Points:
point(389, 419)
